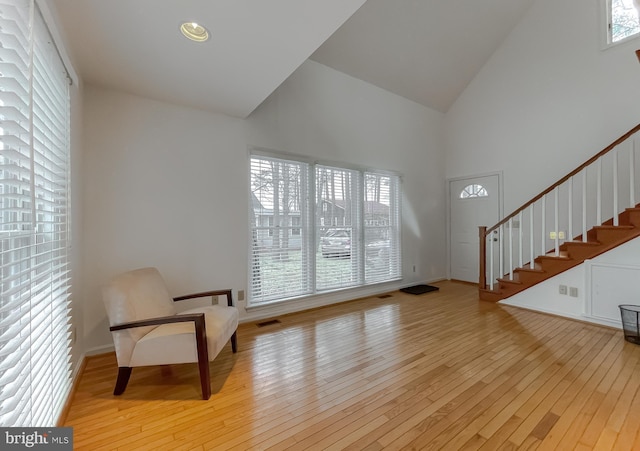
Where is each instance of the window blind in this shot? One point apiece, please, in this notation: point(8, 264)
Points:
point(34, 209)
point(382, 227)
point(347, 236)
point(279, 262)
point(338, 228)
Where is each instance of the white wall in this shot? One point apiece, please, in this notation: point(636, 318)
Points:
point(167, 186)
point(547, 100)
point(326, 114)
point(162, 188)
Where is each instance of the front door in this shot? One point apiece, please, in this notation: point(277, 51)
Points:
point(473, 202)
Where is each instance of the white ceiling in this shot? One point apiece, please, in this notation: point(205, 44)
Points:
point(136, 46)
point(424, 50)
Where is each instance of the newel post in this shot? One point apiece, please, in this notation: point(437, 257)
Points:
point(482, 281)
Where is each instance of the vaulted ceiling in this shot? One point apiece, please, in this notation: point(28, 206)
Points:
point(424, 50)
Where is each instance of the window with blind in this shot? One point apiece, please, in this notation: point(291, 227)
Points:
point(317, 228)
point(34, 210)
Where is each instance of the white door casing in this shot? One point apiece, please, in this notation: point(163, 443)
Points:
point(480, 205)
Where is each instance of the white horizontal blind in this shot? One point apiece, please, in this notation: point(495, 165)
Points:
point(381, 227)
point(34, 209)
point(316, 228)
point(279, 264)
point(338, 228)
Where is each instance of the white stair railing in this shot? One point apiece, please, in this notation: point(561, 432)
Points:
point(603, 191)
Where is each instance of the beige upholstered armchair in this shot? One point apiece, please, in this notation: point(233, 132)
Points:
point(147, 330)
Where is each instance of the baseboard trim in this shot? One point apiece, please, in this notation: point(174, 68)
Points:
point(75, 380)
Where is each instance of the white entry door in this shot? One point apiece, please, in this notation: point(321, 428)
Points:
point(473, 202)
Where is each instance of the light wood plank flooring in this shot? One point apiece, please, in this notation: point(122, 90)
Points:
point(440, 370)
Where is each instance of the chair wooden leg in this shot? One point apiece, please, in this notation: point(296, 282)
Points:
point(234, 342)
point(124, 372)
point(205, 383)
point(203, 357)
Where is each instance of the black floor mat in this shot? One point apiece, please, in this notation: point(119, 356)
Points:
point(419, 289)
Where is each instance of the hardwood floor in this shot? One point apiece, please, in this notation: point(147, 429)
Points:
point(440, 370)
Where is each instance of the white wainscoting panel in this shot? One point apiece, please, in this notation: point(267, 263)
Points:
point(609, 285)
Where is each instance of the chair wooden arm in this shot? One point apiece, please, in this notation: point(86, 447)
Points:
point(195, 317)
point(207, 294)
point(201, 347)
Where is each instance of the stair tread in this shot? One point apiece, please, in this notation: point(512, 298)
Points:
point(614, 227)
point(555, 257)
point(525, 269)
point(584, 243)
point(515, 282)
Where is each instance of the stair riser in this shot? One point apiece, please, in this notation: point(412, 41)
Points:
point(582, 252)
point(490, 297)
point(530, 278)
point(554, 266)
point(609, 236)
point(630, 218)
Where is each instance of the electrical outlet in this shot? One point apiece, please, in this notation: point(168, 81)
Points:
point(240, 295)
point(573, 292)
point(552, 236)
point(563, 289)
point(561, 235)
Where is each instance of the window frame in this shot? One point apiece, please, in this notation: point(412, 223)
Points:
point(477, 191)
point(607, 24)
point(317, 221)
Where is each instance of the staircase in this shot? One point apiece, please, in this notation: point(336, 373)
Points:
point(528, 246)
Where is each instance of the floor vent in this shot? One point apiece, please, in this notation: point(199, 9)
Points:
point(385, 296)
point(268, 323)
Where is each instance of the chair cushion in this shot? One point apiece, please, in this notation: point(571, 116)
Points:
point(135, 295)
point(175, 343)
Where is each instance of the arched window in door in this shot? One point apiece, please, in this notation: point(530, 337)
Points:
point(473, 190)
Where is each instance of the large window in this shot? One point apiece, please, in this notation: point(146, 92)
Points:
point(623, 17)
point(317, 228)
point(34, 214)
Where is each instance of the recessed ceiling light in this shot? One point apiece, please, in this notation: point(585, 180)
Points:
point(194, 31)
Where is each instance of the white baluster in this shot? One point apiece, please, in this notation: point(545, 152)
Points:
point(520, 262)
point(569, 236)
point(510, 248)
point(599, 193)
point(555, 219)
point(584, 205)
point(543, 218)
point(531, 240)
point(501, 250)
point(632, 173)
point(491, 274)
point(615, 186)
